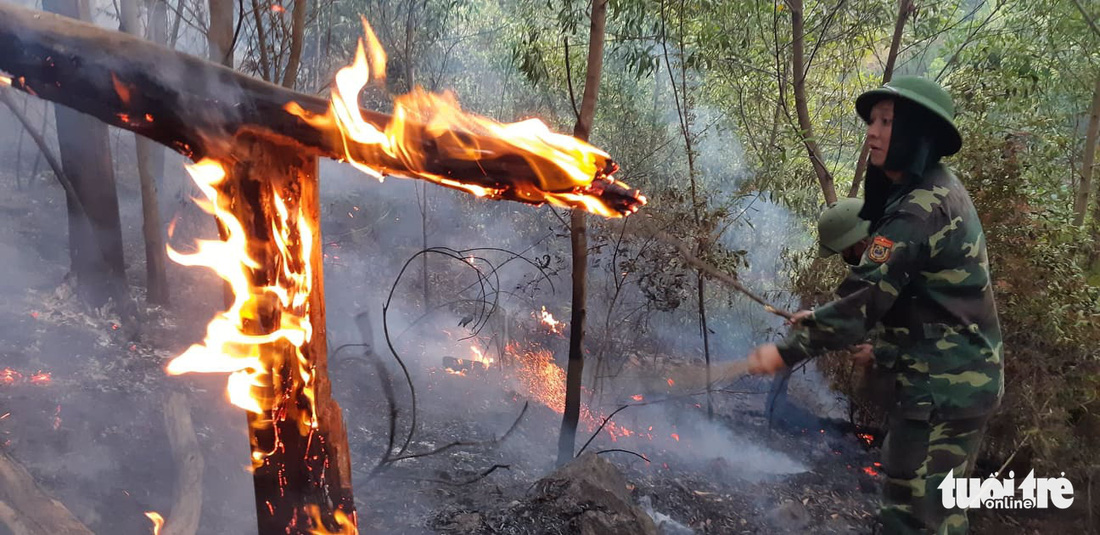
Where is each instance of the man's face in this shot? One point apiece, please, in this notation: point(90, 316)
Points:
point(878, 131)
point(854, 255)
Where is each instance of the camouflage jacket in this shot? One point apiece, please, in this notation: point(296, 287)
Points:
point(925, 277)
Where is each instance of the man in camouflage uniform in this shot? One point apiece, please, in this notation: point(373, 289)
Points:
point(925, 277)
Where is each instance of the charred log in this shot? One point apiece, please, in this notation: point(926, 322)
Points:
point(25, 508)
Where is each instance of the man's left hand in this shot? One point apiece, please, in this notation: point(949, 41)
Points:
point(765, 360)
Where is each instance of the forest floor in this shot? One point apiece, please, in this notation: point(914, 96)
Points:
point(93, 435)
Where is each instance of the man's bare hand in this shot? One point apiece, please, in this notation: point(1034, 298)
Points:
point(797, 317)
point(765, 360)
point(863, 354)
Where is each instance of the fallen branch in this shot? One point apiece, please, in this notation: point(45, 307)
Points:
point(26, 509)
point(183, 518)
point(634, 453)
point(462, 483)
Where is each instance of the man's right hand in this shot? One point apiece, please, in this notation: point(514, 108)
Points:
point(797, 317)
point(863, 354)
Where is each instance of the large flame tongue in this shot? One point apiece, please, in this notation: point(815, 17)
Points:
point(428, 130)
point(261, 341)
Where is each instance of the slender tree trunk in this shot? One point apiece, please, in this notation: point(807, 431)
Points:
point(261, 41)
point(798, 45)
point(1084, 189)
point(149, 155)
point(579, 242)
point(701, 285)
point(219, 35)
point(1094, 256)
point(423, 202)
point(297, 36)
point(905, 7)
point(95, 233)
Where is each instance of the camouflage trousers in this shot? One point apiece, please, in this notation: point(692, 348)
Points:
point(916, 457)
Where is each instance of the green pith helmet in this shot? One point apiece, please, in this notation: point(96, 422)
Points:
point(924, 92)
point(840, 227)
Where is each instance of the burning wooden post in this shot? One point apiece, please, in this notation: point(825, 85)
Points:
point(302, 469)
point(257, 147)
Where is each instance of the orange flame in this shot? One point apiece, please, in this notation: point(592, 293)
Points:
point(228, 347)
point(158, 521)
point(40, 378)
point(9, 376)
point(345, 524)
point(548, 320)
point(675, 436)
point(480, 357)
point(565, 168)
point(544, 381)
point(5, 81)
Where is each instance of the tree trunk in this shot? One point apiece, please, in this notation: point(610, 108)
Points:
point(798, 44)
point(95, 234)
point(299, 471)
point(150, 162)
point(700, 284)
point(579, 243)
point(905, 7)
point(297, 35)
point(1094, 256)
point(261, 41)
point(219, 35)
point(1088, 163)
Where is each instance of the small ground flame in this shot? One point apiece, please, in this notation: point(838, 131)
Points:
point(10, 376)
point(158, 521)
point(548, 320)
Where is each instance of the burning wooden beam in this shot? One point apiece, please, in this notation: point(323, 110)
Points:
point(299, 444)
point(264, 195)
point(197, 107)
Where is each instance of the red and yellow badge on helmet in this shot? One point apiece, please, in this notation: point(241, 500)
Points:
point(880, 249)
